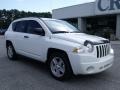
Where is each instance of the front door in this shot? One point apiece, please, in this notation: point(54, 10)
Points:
point(35, 44)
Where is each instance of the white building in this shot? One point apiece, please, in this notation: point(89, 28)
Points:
point(101, 17)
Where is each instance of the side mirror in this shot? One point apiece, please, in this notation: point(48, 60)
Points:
point(39, 31)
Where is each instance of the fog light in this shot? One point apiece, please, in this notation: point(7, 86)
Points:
point(90, 69)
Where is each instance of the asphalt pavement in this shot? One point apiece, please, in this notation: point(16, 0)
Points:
point(27, 74)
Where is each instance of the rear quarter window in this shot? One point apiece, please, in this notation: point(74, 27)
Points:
point(13, 26)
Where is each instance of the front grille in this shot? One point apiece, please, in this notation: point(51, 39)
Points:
point(102, 50)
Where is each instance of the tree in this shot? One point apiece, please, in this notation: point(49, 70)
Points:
point(7, 16)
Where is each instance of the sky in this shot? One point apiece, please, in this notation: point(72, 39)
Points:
point(39, 5)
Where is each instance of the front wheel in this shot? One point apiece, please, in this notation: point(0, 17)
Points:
point(59, 66)
point(11, 52)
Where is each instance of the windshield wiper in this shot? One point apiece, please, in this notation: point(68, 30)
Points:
point(60, 32)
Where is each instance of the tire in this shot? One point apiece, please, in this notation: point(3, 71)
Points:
point(59, 66)
point(11, 52)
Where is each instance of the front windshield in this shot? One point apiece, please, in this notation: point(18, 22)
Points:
point(59, 26)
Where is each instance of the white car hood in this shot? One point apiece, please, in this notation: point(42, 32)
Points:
point(78, 37)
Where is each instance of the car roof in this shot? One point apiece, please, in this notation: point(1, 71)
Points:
point(48, 19)
point(29, 18)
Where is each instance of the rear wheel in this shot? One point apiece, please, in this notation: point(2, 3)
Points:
point(59, 66)
point(11, 52)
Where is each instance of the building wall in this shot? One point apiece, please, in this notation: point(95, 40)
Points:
point(103, 7)
point(82, 24)
point(99, 7)
point(81, 10)
point(118, 27)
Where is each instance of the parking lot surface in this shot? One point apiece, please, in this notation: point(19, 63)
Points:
point(26, 74)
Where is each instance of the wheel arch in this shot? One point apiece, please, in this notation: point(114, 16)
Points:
point(8, 42)
point(53, 50)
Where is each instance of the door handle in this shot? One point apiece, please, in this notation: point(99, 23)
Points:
point(26, 37)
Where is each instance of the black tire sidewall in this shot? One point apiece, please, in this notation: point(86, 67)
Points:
point(14, 53)
point(68, 72)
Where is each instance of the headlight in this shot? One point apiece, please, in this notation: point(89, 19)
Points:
point(78, 49)
point(90, 47)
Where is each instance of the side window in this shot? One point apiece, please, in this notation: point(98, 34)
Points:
point(32, 24)
point(13, 26)
point(20, 26)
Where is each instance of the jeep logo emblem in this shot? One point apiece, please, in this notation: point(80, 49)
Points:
point(111, 5)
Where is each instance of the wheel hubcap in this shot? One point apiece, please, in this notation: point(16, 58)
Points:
point(10, 51)
point(57, 67)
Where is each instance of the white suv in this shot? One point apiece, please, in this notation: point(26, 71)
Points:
point(57, 43)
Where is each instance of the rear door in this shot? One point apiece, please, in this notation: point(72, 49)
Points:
point(19, 36)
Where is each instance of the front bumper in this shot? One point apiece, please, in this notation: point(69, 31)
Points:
point(84, 64)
